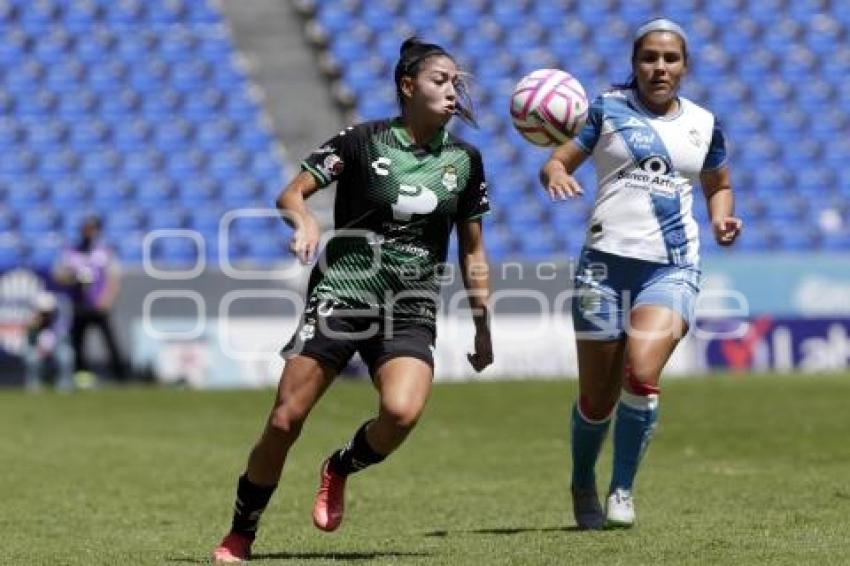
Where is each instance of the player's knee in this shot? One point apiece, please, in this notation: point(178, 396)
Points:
point(403, 413)
point(596, 409)
point(641, 380)
point(287, 420)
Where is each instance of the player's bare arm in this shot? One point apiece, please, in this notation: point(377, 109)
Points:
point(476, 279)
point(294, 211)
point(717, 187)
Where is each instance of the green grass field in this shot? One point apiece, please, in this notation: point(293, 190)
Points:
point(743, 470)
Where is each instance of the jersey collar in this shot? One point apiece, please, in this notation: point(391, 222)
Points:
point(401, 134)
point(636, 99)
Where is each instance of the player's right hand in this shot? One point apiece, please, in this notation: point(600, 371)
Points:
point(560, 185)
point(305, 240)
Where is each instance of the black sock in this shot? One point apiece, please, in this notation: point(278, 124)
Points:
point(356, 455)
point(251, 501)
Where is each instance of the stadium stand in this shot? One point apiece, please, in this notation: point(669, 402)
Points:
point(139, 110)
point(760, 69)
point(136, 110)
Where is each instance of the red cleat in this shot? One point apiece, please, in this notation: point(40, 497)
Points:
point(330, 500)
point(233, 549)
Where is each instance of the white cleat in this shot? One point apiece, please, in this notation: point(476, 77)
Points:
point(587, 510)
point(620, 509)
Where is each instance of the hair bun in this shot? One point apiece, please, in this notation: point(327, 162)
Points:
point(411, 42)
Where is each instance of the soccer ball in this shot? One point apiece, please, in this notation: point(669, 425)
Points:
point(548, 107)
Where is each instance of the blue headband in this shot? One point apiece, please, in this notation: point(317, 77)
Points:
point(661, 24)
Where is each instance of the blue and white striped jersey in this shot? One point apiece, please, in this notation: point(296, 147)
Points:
point(646, 168)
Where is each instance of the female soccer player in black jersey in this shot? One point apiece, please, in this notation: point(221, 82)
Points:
point(402, 184)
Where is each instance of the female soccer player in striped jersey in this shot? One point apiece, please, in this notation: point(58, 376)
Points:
point(638, 276)
point(402, 184)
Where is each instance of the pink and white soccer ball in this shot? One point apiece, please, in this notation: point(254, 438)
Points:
point(548, 107)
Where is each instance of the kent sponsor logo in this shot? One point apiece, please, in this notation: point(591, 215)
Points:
point(641, 139)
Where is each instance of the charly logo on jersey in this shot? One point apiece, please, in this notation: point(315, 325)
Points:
point(414, 200)
point(382, 166)
point(449, 179)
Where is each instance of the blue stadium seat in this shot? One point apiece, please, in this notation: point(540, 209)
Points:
point(155, 191)
point(113, 192)
point(267, 247)
point(799, 65)
point(467, 15)
point(539, 242)
point(170, 218)
point(757, 66)
point(63, 73)
point(70, 193)
point(123, 220)
point(46, 250)
point(214, 133)
point(208, 102)
point(37, 220)
point(336, 17)
point(46, 135)
point(173, 135)
point(18, 162)
point(13, 253)
point(815, 96)
point(352, 45)
point(784, 33)
point(130, 135)
point(837, 153)
point(740, 35)
point(130, 247)
point(175, 252)
point(187, 164)
point(759, 238)
point(786, 208)
point(798, 240)
point(814, 182)
point(823, 34)
point(199, 193)
point(206, 218)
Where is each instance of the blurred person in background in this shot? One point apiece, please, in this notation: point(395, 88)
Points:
point(638, 276)
point(403, 183)
point(92, 275)
point(48, 355)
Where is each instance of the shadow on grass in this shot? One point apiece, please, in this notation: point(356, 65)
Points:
point(313, 556)
point(505, 531)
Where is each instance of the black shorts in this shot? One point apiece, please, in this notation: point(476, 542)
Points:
point(332, 336)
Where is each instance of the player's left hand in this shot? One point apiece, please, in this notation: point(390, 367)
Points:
point(727, 229)
point(483, 355)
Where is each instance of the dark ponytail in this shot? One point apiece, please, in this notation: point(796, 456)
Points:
point(412, 54)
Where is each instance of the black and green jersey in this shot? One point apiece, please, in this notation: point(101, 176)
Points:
point(395, 207)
